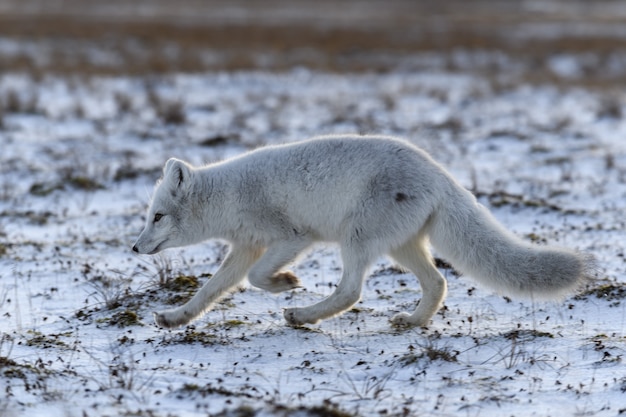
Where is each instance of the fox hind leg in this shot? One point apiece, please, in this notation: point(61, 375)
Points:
point(415, 256)
point(347, 293)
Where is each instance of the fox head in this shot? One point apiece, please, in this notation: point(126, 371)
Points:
point(170, 216)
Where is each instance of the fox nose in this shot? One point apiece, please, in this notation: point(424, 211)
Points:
point(135, 249)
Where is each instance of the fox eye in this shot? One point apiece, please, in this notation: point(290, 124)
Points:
point(157, 217)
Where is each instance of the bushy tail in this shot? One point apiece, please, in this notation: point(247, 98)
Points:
point(472, 240)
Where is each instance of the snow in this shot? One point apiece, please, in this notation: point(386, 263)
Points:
point(548, 162)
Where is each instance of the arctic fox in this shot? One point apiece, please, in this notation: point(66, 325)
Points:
point(372, 195)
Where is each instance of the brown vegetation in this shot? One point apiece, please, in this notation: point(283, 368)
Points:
point(156, 37)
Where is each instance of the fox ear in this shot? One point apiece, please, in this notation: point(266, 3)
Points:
point(176, 173)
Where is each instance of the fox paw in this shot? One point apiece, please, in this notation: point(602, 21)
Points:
point(282, 281)
point(300, 316)
point(292, 317)
point(169, 319)
point(405, 320)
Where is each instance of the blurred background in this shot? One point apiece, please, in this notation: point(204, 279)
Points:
point(562, 41)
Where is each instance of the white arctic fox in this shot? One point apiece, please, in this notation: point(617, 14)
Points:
point(372, 195)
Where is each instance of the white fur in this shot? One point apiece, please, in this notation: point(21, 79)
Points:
point(372, 195)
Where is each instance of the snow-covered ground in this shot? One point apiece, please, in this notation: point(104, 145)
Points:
point(79, 157)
